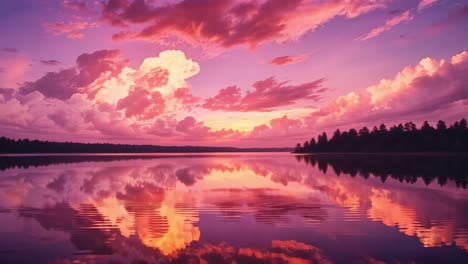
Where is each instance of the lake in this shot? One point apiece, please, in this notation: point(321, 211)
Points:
point(234, 208)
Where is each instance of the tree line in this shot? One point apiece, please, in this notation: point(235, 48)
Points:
point(8, 145)
point(399, 138)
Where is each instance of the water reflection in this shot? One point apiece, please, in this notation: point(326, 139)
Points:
point(225, 208)
point(405, 168)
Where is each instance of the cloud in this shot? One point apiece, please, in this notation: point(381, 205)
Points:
point(425, 4)
point(192, 129)
point(185, 97)
point(142, 104)
point(344, 104)
point(79, 6)
point(162, 127)
point(63, 84)
point(268, 94)
point(398, 19)
point(9, 50)
point(284, 123)
point(435, 86)
point(62, 119)
point(102, 95)
point(110, 123)
point(433, 82)
point(50, 62)
point(72, 30)
point(285, 60)
point(13, 113)
point(7, 93)
point(405, 16)
point(228, 23)
point(277, 129)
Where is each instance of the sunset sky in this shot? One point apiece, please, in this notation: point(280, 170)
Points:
point(253, 73)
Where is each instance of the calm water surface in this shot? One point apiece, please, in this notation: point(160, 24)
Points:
point(234, 208)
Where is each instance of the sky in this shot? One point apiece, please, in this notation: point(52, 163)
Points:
point(253, 73)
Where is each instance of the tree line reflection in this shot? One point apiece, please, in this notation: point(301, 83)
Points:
point(24, 162)
point(404, 168)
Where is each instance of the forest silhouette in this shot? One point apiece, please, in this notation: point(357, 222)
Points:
point(12, 146)
point(399, 138)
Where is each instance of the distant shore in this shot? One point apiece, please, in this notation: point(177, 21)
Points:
point(26, 146)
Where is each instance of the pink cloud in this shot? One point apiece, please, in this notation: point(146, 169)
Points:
point(425, 4)
point(284, 123)
point(343, 105)
point(156, 77)
point(285, 60)
point(162, 127)
point(185, 97)
point(190, 124)
point(63, 84)
point(277, 130)
point(13, 113)
point(109, 124)
point(229, 23)
point(267, 95)
point(392, 22)
point(398, 19)
point(6, 93)
point(102, 97)
point(80, 6)
point(72, 30)
point(192, 129)
point(142, 104)
point(432, 83)
point(92, 65)
point(63, 120)
point(415, 92)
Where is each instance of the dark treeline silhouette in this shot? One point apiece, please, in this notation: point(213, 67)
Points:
point(26, 161)
point(35, 146)
point(404, 168)
point(399, 138)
